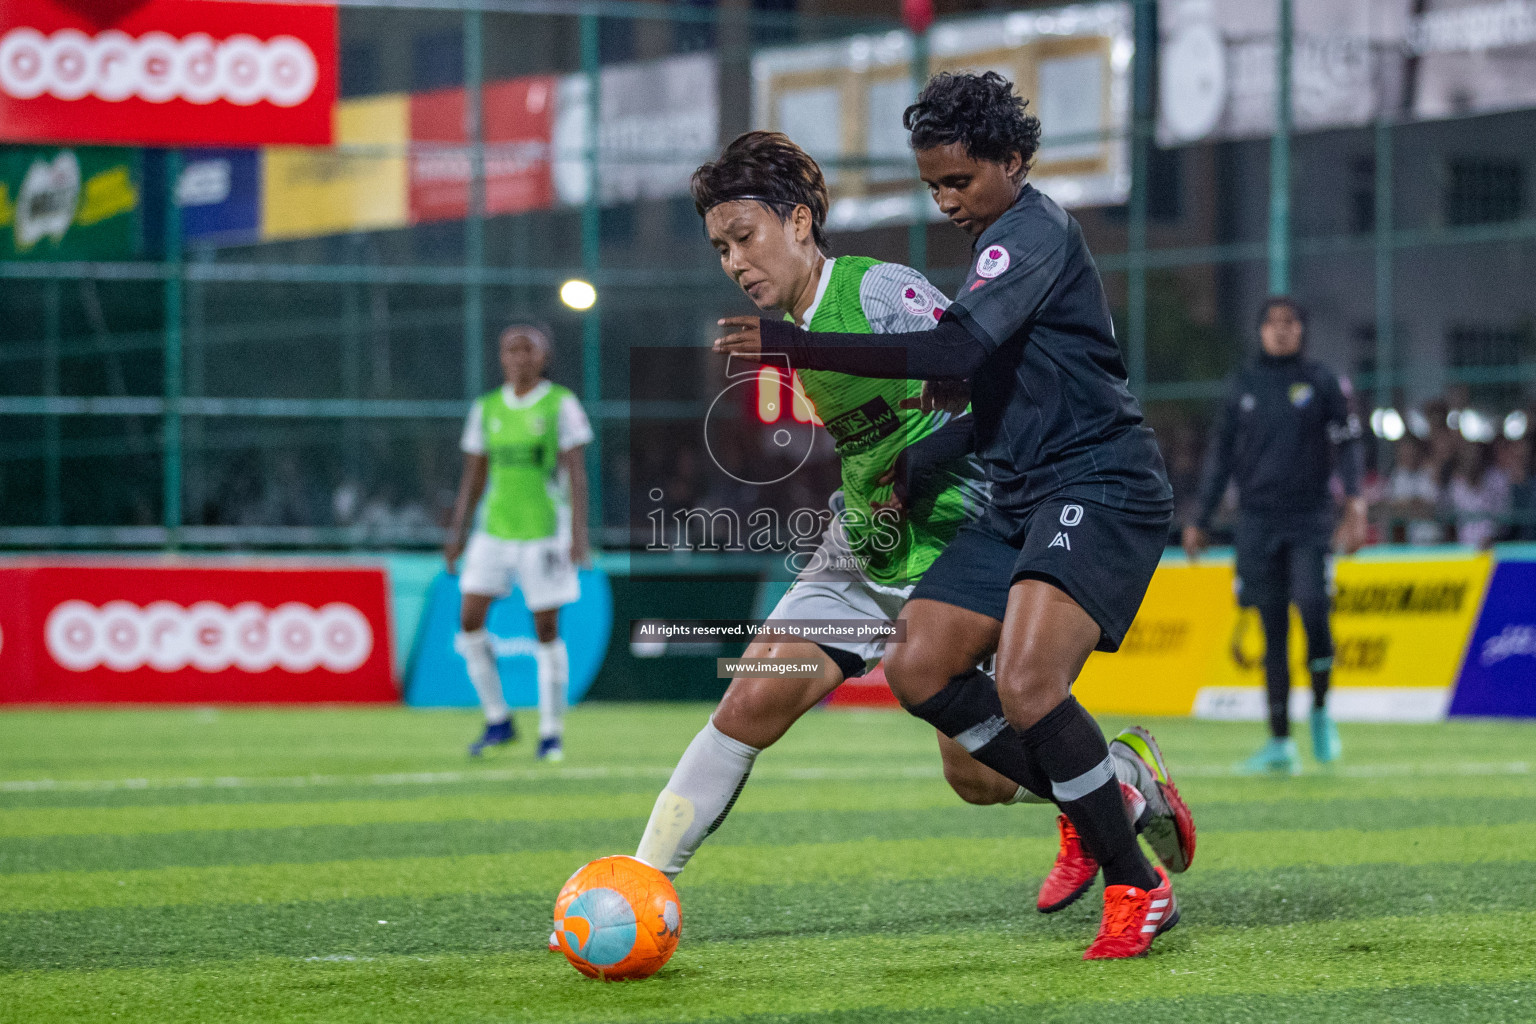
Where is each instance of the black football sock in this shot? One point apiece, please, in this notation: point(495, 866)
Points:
point(1277, 668)
point(1314, 619)
point(1069, 746)
point(969, 712)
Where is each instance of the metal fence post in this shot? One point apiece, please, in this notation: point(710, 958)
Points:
point(917, 233)
point(474, 223)
point(53, 501)
point(1386, 355)
point(1136, 228)
point(171, 435)
point(1280, 160)
point(591, 254)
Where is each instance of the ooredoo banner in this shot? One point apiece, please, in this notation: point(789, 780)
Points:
point(123, 632)
point(167, 72)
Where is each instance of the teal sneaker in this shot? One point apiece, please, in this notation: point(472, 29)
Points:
point(1326, 747)
point(1278, 757)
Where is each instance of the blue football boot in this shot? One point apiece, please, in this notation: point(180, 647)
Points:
point(1277, 757)
point(550, 750)
point(497, 734)
point(1326, 747)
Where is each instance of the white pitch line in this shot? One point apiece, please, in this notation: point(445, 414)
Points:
point(1358, 771)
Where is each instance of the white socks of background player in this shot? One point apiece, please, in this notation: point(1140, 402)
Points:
point(554, 669)
point(480, 660)
point(1128, 768)
point(703, 787)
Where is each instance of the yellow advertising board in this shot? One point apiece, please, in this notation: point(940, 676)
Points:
point(1187, 614)
point(360, 184)
point(1400, 628)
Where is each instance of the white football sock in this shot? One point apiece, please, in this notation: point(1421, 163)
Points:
point(703, 787)
point(1024, 796)
point(480, 660)
point(553, 670)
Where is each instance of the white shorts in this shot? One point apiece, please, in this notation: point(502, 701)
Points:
point(541, 568)
point(842, 592)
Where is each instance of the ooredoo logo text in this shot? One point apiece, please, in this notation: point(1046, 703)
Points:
point(207, 637)
point(157, 67)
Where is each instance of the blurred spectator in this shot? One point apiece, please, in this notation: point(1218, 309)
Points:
point(1477, 496)
point(1412, 495)
point(1513, 459)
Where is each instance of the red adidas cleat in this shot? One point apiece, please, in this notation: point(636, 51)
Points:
point(1133, 918)
point(554, 943)
point(1071, 875)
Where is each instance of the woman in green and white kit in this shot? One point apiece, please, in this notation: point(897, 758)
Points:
point(523, 448)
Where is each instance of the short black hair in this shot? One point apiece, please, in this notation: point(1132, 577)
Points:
point(982, 112)
point(1289, 302)
point(769, 168)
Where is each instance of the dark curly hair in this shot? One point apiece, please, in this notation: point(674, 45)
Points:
point(982, 112)
point(769, 168)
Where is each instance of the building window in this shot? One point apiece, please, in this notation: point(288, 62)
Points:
point(1483, 191)
point(1487, 345)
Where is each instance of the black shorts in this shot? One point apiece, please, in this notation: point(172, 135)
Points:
point(1102, 558)
point(1279, 566)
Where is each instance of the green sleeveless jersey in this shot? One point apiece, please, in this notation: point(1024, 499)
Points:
point(865, 418)
point(523, 449)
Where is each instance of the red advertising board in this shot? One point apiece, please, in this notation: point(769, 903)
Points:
point(167, 72)
point(517, 118)
point(201, 633)
point(866, 691)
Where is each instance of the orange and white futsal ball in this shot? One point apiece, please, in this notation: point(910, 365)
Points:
point(618, 918)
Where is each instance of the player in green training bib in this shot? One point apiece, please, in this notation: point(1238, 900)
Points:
point(523, 446)
point(764, 202)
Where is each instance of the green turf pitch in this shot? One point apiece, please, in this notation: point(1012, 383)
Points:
point(354, 865)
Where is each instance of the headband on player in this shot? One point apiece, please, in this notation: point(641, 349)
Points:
point(753, 198)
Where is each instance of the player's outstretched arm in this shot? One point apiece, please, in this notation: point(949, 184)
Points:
point(947, 352)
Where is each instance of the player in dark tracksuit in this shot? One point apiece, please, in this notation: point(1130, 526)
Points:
point(1285, 429)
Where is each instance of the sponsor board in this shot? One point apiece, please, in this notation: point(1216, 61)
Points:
point(842, 99)
point(1186, 616)
point(167, 72)
point(124, 632)
point(1399, 630)
point(69, 204)
point(359, 185)
point(436, 676)
point(1498, 676)
point(1351, 63)
point(219, 193)
point(517, 117)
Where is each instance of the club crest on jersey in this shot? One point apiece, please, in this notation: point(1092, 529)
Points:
point(994, 259)
point(917, 300)
point(1301, 394)
point(1247, 402)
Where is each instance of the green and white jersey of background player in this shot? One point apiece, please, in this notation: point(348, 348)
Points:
point(867, 566)
point(523, 533)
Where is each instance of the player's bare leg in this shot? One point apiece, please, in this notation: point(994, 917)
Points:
point(752, 715)
point(474, 644)
point(1047, 637)
point(935, 676)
